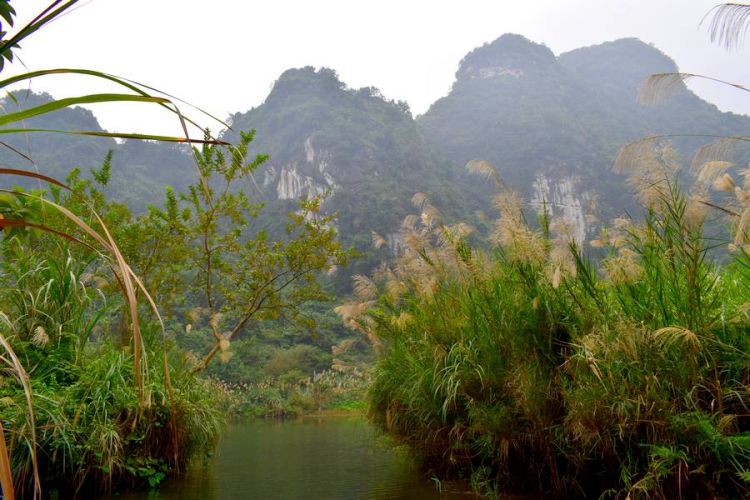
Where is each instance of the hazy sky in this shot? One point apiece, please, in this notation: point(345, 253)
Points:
point(224, 55)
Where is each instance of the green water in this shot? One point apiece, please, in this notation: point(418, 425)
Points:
point(314, 458)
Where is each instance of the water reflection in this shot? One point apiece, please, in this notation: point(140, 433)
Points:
point(336, 458)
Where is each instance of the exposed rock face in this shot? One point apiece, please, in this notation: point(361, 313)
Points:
point(509, 55)
point(564, 198)
point(365, 151)
point(293, 181)
point(553, 125)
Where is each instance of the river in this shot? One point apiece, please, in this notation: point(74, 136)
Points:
point(327, 458)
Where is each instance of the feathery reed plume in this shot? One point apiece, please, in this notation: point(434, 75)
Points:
point(224, 343)
point(486, 170)
point(377, 240)
point(430, 215)
point(657, 87)
point(725, 183)
point(419, 200)
point(364, 288)
point(410, 221)
point(40, 337)
point(630, 157)
point(712, 170)
point(672, 334)
point(660, 86)
point(728, 24)
point(720, 150)
point(743, 224)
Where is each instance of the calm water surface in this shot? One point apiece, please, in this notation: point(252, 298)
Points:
point(314, 458)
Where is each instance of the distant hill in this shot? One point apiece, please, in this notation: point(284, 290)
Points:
point(552, 124)
point(367, 151)
point(140, 169)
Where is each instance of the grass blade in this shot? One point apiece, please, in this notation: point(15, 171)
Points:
point(117, 135)
point(6, 476)
point(23, 377)
point(133, 85)
point(28, 173)
point(58, 104)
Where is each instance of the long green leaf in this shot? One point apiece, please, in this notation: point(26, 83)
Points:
point(47, 15)
point(117, 135)
point(72, 101)
point(6, 477)
point(133, 85)
point(23, 377)
point(22, 223)
point(27, 173)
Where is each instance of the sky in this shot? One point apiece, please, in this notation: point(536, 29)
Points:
point(224, 55)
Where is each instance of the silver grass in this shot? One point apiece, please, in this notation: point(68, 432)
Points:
point(657, 87)
point(712, 170)
point(377, 240)
point(727, 24)
point(631, 156)
point(719, 150)
point(364, 288)
point(486, 170)
point(419, 200)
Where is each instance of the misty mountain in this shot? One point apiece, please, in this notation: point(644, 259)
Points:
point(551, 124)
point(140, 169)
point(365, 151)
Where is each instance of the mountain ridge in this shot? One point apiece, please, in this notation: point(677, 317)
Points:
point(551, 124)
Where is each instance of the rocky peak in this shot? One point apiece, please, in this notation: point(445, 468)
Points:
point(509, 56)
point(305, 82)
point(627, 61)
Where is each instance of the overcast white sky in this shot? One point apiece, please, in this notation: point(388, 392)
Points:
point(224, 55)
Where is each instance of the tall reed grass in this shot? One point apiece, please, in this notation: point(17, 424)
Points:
point(530, 366)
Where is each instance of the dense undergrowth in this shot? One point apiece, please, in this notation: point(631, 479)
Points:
point(329, 390)
point(91, 429)
point(99, 391)
point(532, 367)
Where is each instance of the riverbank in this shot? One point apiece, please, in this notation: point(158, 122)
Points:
point(329, 392)
point(531, 367)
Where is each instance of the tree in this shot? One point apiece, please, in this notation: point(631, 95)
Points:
point(231, 272)
point(20, 210)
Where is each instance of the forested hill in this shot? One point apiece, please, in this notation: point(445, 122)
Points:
point(367, 151)
point(551, 124)
point(140, 169)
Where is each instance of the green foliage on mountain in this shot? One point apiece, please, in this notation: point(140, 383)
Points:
point(514, 103)
point(518, 106)
point(367, 151)
point(140, 169)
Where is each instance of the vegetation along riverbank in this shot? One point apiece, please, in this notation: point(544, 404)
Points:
point(591, 339)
